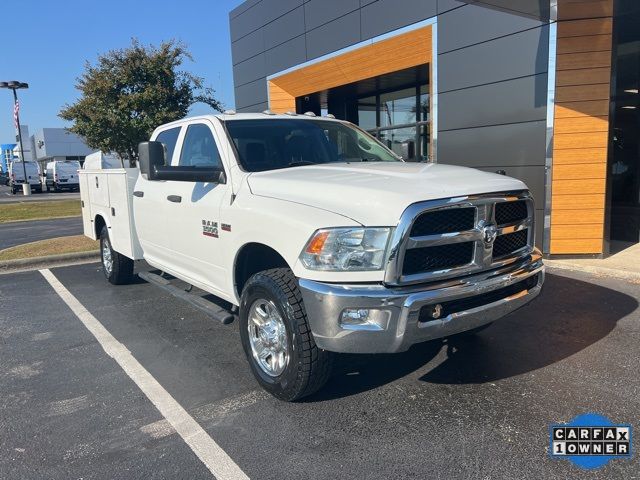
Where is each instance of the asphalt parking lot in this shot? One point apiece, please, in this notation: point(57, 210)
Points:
point(475, 407)
point(7, 197)
point(17, 233)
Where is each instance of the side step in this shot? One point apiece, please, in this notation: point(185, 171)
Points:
point(214, 311)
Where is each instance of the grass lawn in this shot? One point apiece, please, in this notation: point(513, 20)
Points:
point(14, 212)
point(53, 246)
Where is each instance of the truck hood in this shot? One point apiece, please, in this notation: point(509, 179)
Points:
point(375, 194)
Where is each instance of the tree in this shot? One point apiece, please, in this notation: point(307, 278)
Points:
point(129, 92)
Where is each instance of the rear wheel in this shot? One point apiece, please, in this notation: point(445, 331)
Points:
point(277, 339)
point(117, 268)
point(55, 188)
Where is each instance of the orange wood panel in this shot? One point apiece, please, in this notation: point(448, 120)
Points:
point(577, 246)
point(574, 61)
point(577, 28)
point(279, 100)
point(576, 187)
point(579, 93)
point(579, 156)
point(578, 217)
point(580, 171)
point(577, 231)
point(386, 56)
point(582, 124)
point(585, 76)
point(586, 43)
point(599, 108)
point(569, 10)
point(581, 140)
point(578, 202)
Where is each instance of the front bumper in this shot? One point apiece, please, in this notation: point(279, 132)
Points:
point(400, 307)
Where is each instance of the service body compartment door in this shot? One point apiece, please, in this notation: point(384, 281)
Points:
point(87, 216)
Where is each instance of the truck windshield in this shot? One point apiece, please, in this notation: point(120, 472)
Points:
point(271, 144)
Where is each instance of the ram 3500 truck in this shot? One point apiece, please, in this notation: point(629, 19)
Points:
point(320, 238)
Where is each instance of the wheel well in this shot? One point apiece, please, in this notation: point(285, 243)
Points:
point(254, 258)
point(98, 224)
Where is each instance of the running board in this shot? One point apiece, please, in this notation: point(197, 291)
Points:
point(211, 309)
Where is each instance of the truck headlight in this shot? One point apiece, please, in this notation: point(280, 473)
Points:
point(346, 249)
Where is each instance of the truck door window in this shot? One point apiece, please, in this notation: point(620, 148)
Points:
point(199, 148)
point(169, 138)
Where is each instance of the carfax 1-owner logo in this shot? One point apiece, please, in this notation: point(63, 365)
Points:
point(590, 441)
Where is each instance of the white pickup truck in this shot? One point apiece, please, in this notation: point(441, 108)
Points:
point(320, 238)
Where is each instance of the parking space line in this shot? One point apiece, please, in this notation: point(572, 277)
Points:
point(207, 450)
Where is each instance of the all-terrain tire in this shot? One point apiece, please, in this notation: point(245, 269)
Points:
point(308, 367)
point(116, 267)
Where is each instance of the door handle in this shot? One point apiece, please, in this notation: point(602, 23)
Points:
point(138, 193)
point(174, 198)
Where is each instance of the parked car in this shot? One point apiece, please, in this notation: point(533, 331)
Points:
point(320, 238)
point(4, 178)
point(16, 176)
point(62, 174)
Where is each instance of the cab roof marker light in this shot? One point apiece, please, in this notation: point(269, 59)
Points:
point(268, 112)
point(310, 114)
point(229, 112)
point(292, 114)
point(330, 115)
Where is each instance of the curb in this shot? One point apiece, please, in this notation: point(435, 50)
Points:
point(603, 271)
point(20, 264)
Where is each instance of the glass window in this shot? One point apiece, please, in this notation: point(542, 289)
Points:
point(402, 141)
point(423, 105)
point(398, 108)
point(199, 148)
point(272, 144)
point(367, 113)
point(168, 138)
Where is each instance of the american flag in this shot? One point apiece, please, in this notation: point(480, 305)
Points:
point(16, 112)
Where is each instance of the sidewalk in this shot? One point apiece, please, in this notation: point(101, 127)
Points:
point(624, 264)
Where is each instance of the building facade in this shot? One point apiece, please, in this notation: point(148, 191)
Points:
point(50, 144)
point(545, 91)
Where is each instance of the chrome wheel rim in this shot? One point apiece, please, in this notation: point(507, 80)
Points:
point(268, 337)
point(107, 259)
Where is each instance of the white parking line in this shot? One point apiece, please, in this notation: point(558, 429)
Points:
point(207, 450)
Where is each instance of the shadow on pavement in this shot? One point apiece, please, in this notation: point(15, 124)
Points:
point(568, 316)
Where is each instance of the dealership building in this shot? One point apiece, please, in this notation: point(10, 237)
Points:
point(545, 91)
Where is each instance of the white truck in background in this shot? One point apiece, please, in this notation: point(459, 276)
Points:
point(16, 176)
point(62, 174)
point(320, 238)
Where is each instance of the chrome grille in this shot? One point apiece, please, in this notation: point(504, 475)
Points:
point(453, 237)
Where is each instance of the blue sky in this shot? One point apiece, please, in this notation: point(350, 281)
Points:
point(46, 43)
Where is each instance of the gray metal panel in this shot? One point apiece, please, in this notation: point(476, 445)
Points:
point(251, 93)
point(248, 46)
point(284, 28)
point(503, 145)
point(334, 35)
point(446, 5)
point(533, 176)
point(467, 26)
point(249, 70)
point(534, 8)
point(260, 107)
point(366, 2)
point(293, 52)
point(386, 15)
point(511, 101)
point(259, 15)
point(517, 55)
point(243, 7)
point(319, 12)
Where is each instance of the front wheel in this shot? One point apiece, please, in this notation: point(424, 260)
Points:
point(117, 268)
point(277, 339)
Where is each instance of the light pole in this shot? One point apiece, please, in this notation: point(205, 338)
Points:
point(13, 86)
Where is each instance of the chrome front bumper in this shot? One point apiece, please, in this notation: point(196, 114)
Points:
point(400, 308)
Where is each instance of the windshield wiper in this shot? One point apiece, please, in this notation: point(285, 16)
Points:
point(301, 163)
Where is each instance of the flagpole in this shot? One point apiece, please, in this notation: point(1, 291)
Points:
point(26, 188)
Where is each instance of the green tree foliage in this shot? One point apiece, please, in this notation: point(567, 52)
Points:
point(129, 92)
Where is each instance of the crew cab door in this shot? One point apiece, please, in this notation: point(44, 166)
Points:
point(151, 216)
point(194, 222)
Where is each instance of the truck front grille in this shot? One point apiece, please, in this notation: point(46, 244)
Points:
point(444, 221)
point(436, 258)
point(454, 237)
point(509, 243)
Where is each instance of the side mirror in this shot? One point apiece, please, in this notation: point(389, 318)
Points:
point(151, 156)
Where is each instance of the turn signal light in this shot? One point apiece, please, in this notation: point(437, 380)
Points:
point(317, 243)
